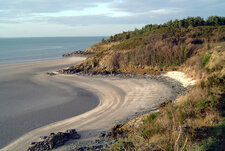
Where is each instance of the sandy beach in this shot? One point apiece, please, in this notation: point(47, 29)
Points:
point(118, 99)
point(27, 104)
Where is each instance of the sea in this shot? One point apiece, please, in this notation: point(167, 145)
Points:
point(42, 48)
point(21, 99)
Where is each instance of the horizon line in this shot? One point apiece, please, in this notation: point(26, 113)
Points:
point(52, 36)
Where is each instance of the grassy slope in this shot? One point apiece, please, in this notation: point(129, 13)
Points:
point(154, 51)
point(197, 121)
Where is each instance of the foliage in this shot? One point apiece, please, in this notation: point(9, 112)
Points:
point(152, 127)
point(122, 145)
point(205, 59)
point(165, 47)
point(183, 23)
point(156, 48)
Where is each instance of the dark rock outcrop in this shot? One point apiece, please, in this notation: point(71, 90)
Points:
point(116, 131)
point(77, 53)
point(86, 71)
point(54, 140)
point(51, 73)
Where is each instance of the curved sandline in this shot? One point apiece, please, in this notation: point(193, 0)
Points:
point(113, 102)
point(102, 107)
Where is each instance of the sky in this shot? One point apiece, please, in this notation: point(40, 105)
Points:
point(52, 18)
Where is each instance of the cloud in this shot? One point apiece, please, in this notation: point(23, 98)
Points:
point(166, 11)
point(145, 12)
point(100, 13)
point(23, 9)
point(43, 6)
point(155, 16)
point(137, 6)
point(48, 30)
point(96, 19)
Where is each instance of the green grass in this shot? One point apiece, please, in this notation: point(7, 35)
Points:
point(122, 145)
point(205, 59)
point(151, 127)
point(202, 104)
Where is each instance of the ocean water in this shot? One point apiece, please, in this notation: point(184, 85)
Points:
point(30, 49)
point(26, 105)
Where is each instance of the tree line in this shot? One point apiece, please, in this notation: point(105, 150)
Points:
point(183, 23)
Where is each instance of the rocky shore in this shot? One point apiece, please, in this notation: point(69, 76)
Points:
point(78, 53)
point(177, 87)
point(53, 141)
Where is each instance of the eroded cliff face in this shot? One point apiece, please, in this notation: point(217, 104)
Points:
point(160, 50)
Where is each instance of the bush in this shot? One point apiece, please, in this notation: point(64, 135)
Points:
point(202, 84)
point(205, 59)
point(144, 133)
point(151, 117)
point(203, 104)
point(122, 145)
point(206, 145)
point(151, 126)
point(215, 81)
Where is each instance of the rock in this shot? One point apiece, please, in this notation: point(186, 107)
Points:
point(43, 137)
point(51, 73)
point(164, 104)
point(54, 140)
point(73, 134)
point(117, 130)
point(109, 134)
point(77, 53)
point(102, 134)
point(66, 55)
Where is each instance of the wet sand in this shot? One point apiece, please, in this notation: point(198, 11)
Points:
point(118, 99)
point(27, 104)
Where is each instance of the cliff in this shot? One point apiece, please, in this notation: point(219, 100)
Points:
point(153, 48)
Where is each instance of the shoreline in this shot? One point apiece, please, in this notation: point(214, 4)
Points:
point(114, 95)
point(27, 104)
point(104, 139)
point(31, 60)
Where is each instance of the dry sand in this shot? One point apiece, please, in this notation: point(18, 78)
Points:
point(180, 77)
point(119, 98)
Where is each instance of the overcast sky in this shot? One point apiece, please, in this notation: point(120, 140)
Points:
point(50, 18)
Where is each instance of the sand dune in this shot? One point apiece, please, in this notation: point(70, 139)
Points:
point(119, 98)
point(180, 77)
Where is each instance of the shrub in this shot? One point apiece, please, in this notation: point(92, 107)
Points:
point(151, 117)
point(203, 104)
point(144, 133)
point(208, 46)
point(150, 126)
point(215, 81)
point(206, 145)
point(205, 59)
point(122, 145)
point(202, 84)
